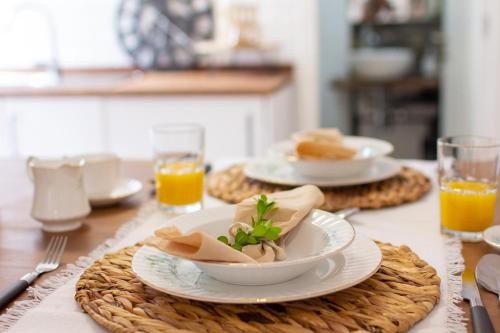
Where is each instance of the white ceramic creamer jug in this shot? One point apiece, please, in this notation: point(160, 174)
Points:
point(59, 199)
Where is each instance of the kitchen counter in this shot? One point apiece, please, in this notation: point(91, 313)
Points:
point(256, 81)
point(114, 110)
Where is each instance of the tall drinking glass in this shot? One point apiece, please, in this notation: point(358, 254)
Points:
point(468, 179)
point(179, 171)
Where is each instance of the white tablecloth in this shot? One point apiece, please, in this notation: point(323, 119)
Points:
point(415, 224)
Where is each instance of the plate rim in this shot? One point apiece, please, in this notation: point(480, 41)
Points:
point(339, 182)
point(266, 300)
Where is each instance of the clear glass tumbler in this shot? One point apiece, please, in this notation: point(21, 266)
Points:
point(468, 180)
point(178, 167)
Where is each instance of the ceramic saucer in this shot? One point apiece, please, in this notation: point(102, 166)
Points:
point(124, 190)
point(281, 173)
point(182, 278)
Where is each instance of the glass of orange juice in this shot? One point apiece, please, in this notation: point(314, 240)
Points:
point(468, 179)
point(178, 167)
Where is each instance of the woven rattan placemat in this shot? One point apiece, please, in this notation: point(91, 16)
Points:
point(402, 292)
point(409, 185)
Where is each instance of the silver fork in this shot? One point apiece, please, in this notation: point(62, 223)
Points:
point(50, 262)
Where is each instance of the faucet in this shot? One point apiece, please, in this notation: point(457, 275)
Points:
point(52, 66)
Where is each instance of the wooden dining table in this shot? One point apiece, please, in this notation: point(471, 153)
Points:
point(23, 243)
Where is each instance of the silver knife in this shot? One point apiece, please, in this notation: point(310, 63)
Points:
point(480, 319)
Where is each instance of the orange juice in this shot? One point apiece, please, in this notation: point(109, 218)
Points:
point(179, 183)
point(467, 205)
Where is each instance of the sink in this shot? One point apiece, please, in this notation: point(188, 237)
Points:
point(382, 63)
point(19, 79)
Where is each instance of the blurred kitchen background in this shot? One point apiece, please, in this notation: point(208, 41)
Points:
point(94, 75)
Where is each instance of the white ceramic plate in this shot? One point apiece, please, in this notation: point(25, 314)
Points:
point(281, 173)
point(492, 237)
point(368, 150)
point(318, 236)
point(124, 190)
point(182, 278)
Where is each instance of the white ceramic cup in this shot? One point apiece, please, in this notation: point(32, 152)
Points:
point(101, 173)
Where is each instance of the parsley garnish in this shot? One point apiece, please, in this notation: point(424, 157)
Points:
point(262, 227)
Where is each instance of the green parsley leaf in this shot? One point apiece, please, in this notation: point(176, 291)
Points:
point(252, 240)
point(273, 233)
point(272, 236)
point(259, 230)
point(223, 239)
point(262, 227)
point(240, 237)
point(261, 208)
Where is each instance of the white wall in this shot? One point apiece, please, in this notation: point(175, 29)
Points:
point(85, 33)
point(294, 24)
point(486, 111)
point(334, 49)
point(86, 38)
point(471, 84)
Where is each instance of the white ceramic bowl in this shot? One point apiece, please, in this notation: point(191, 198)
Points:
point(318, 236)
point(382, 63)
point(368, 149)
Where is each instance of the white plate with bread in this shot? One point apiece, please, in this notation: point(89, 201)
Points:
point(325, 153)
point(281, 173)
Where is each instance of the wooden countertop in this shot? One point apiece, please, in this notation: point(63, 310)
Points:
point(236, 81)
point(23, 243)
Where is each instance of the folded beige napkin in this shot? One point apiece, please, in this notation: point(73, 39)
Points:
point(292, 207)
point(196, 245)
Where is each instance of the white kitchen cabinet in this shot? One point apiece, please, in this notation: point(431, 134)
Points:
point(5, 139)
point(55, 126)
point(227, 120)
point(236, 125)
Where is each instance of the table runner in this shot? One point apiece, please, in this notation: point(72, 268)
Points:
point(416, 225)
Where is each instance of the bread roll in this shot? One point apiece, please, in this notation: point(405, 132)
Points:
point(311, 150)
point(319, 135)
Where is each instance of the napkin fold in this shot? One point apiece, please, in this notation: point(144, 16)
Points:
point(292, 207)
point(196, 245)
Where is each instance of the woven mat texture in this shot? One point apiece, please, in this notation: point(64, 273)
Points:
point(231, 185)
point(403, 291)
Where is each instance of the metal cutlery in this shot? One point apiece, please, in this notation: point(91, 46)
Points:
point(480, 319)
point(488, 273)
point(50, 262)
